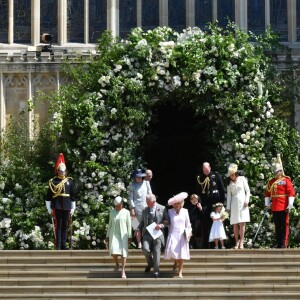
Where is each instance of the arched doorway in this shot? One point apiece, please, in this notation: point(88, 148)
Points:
point(175, 149)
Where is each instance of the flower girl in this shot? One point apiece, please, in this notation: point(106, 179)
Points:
point(217, 232)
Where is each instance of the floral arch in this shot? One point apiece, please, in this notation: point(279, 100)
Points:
point(101, 119)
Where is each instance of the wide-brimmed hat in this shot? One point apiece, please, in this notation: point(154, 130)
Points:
point(138, 173)
point(232, 169)
point(177, 198)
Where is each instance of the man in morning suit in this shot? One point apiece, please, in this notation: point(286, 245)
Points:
point(157, 213)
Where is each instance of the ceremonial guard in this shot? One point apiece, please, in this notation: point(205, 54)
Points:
point(279, 196)
point(61, 202)
point(211, 190)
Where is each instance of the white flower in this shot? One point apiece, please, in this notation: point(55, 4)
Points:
point(93, 157)
point(113, 111)
point(117, 68)
point(18, 186)
point(5, 200)
point(230, 48)
point(142, 43)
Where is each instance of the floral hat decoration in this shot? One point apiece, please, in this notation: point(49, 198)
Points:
point(177, 198)
point(219, 204)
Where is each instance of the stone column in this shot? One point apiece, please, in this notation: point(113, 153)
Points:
point(86, 21)
point(62, 22)
point(163, 13)
point(11, 21)
point(139, 13)
point(267, 13)
point(214, 10)
point(30, 96)
point(190, 13)
point(292, 23)
point(113, 16)
point(241, 14)
point(35, 22)
point(2, 103)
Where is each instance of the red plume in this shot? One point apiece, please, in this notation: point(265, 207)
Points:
point(60, 159)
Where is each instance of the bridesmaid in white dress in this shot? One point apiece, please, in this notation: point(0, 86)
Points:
point(177, 246)
point(238, 196)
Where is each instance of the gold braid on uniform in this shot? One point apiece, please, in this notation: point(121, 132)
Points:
point(204, 184)
point(58, 188)
point(273, 188)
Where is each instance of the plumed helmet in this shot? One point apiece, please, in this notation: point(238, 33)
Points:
point(60, 164)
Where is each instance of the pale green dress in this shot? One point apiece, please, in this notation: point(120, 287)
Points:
point(119, 231)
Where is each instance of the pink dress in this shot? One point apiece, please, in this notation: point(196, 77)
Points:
point(177, 246)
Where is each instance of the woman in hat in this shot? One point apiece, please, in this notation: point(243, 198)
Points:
point(138, 190)
point(238, 196)
point(180, 230)
point(118, 234)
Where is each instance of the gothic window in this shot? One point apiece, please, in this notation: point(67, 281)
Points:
point(97, 19)
point(203, 13)
point(256, 16)
point(127, 16)
point(75, 21)
point(177, 12)
point(49, 18)
point(150, 14)
point(225, 12)
point(22, 21)
point(278, 18)
point(3, 21)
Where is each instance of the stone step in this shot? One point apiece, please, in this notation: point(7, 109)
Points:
point(141, 258)
point(133, 252)
point(106, 267)
point(94, 287)
point(92, 273)
point(210, 274)
point(158, 295)
point(197, 281)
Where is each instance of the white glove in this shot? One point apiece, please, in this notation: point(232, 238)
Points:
point(48, 205)
point(291, 202)
point(73, 207)
point(267, 202)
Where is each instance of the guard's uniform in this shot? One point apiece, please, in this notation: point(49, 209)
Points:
point(61, 194)
point(211, 190)
point(279, 190)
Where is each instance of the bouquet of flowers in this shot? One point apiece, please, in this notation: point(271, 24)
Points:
point(224, 214)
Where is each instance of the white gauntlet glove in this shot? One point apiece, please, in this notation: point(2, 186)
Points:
point(267, 202)
point(73, 207)
point(48, 205)
point(291, 203)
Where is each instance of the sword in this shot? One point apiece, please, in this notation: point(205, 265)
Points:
point(53, 229)
point(264, 215)
point(70, 230)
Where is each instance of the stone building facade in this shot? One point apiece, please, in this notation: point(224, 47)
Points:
point(75, 25)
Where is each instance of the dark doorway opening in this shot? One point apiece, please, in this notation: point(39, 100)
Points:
point(175, 148)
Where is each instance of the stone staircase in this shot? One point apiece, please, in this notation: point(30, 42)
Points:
point(210, 274)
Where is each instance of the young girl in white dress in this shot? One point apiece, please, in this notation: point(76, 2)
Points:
point(217, 232)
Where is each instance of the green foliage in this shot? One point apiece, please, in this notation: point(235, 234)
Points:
point(101, 118)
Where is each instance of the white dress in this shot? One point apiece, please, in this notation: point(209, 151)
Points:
point(177, 246)
point(217, 229)
point(237, 194)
